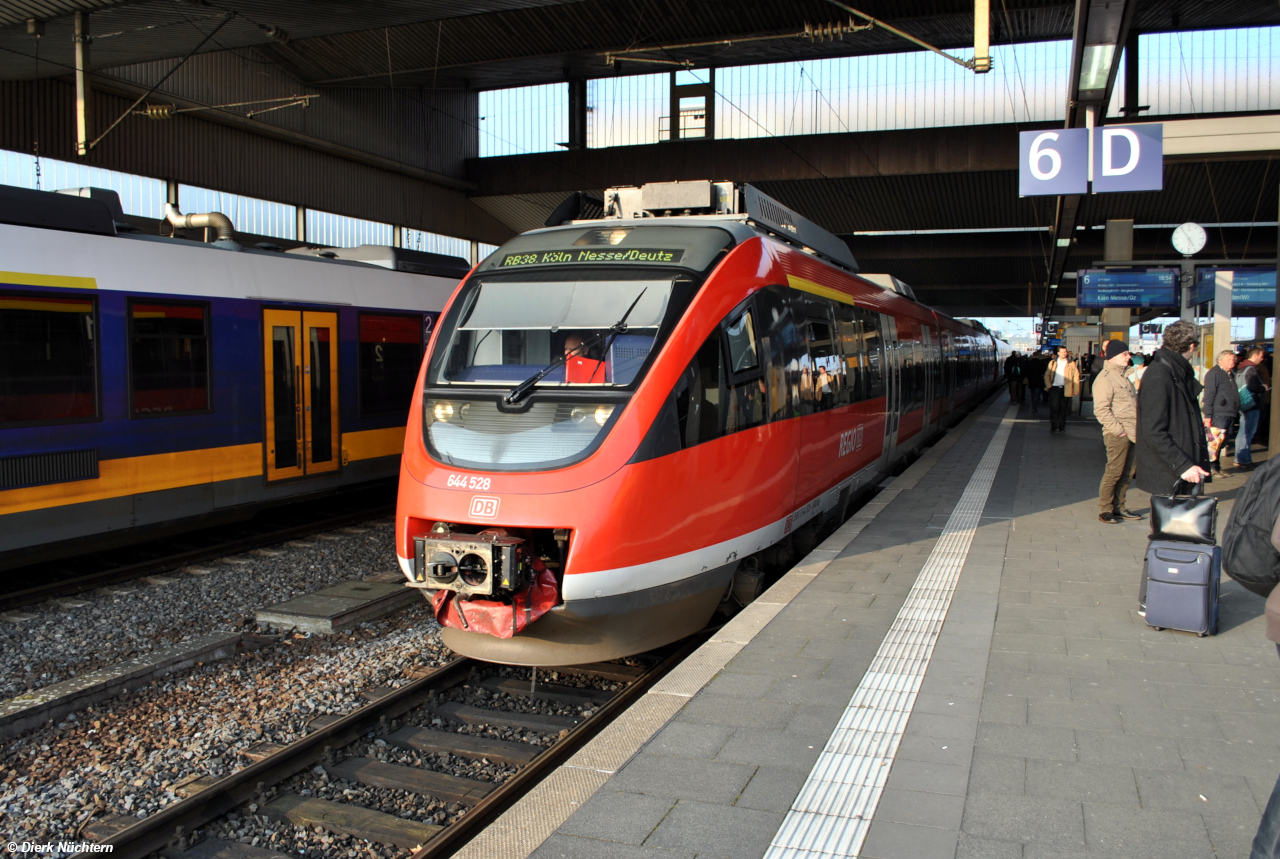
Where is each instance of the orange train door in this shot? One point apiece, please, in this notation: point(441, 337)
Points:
point(300, 359)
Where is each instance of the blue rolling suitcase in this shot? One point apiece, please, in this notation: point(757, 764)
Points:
point(1182, 586)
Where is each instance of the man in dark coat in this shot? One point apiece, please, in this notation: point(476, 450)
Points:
point(1171, 437)
point(1220, 404)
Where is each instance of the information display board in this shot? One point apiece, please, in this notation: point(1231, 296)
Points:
point(1132, 287)
point(1250, 287)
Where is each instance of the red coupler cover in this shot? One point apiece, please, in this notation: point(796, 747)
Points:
point(493, 617)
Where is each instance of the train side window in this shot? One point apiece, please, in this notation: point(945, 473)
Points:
point(780, 342)
point(828, 381)
point(168, 357)
point(849, 338)
point(873, 341)
point(48, 358)
point(390, 353)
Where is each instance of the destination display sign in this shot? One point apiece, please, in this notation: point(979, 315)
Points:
point(592, 256)
point(1250, 287)
point(1137, 287)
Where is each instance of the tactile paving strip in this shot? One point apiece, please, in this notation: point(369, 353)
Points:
point(833, 812)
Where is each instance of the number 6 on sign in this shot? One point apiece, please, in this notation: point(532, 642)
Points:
point(1053, 162)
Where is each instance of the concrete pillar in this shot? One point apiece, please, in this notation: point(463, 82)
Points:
point(1259, 328)
point(577, 113)
point(84, 95)
point(1117, 246)
point(1221, 315)
point(1273, 439)
point(301, 228)
point(1131, 72)
point(1186, 280)
point(475, 252)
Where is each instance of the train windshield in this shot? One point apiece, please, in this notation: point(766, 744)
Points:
point(543, 346)
point(511, 331)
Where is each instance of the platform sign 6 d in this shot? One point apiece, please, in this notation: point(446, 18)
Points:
point(1066, 161)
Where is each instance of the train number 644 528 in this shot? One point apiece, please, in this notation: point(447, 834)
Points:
point(463, 481)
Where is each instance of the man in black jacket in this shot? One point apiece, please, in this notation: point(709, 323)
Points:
point(1171, 437)
point(1220, 404)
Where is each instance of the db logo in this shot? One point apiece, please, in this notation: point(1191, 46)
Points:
point(484, 507)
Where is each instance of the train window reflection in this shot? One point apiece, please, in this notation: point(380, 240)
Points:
point(168, 358)
point(389, 355)
point(48, 359)
point(741, 334)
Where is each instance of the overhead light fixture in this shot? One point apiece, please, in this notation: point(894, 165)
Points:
point(1064, 243)
point(1095, 67)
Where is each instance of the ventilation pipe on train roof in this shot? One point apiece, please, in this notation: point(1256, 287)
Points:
point(207, 220)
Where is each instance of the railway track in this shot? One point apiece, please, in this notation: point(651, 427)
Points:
point(426, 716)
point(48, 580)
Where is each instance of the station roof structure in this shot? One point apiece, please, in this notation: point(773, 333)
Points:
point(391, 132)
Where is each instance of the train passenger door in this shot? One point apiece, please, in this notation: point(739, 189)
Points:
point(300, 363)
point(926, 370)
point(893, 377)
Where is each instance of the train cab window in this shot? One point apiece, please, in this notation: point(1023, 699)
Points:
point(744, 405)
point(699, 394)
point(168, 358)
point(48, 358)
point(389, 356)
point(741, 337)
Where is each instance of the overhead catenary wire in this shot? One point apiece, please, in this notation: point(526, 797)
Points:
point(157, 85)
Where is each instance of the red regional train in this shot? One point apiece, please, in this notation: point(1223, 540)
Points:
point(625, 423)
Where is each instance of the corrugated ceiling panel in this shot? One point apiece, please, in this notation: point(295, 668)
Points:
point(213, 156)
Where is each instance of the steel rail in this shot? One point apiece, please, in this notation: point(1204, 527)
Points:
point(484, 812)
point(116, 575)
point(162, 828)
point(172, 824)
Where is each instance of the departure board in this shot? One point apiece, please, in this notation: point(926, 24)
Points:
point(1250, 287)
point(1134, 287)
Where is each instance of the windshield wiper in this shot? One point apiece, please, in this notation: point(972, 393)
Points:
point(620, 327)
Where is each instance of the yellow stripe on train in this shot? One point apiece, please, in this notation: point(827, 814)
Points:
point(23, 278)
point(812, 288)
point(154, 473)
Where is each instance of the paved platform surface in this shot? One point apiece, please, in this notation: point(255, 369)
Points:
point(1051, 721)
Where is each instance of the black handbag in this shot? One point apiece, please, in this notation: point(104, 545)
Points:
point(1186, 518)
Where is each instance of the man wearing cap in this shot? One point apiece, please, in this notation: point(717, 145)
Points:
point(1115, 405)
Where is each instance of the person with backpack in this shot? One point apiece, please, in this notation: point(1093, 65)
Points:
point(1251, 556)
point(1220, 403)
point(1252, 390)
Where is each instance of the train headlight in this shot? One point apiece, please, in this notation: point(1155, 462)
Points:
point(443, 411)
point(602, 414)
point(579, 415)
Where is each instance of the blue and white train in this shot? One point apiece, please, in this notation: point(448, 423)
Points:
point(152, 383)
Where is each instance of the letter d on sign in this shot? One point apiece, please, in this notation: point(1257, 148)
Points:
point(1130, 158)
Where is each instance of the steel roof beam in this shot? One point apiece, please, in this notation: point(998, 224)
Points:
point(1101, 28)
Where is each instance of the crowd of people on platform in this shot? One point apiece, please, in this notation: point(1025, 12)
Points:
point(1180, 427)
